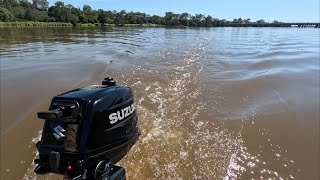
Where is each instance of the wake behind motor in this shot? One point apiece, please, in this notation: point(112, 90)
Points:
point(87, 131)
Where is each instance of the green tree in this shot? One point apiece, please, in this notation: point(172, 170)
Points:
point(74, 10)
point(59, 4)
point(215, 22)
point(208, 21)
point(25, 3)
point(74, 19)
point(31, 14)
point(199, 19)
point(102, 16)
point(9, 4)
point(40, 4)
point(105, 17)
point(156, 19)
point(247, 21)
point(92, 19)
point(261, 21)
point(184, 19)
point(65, 14)
point(169, 19)
point(131, 17)
point(223, 22)
point(43, 16)
point(88, 15)
point(83, 18)
point(60, 12)
point(6, 15)
point(86, 9)
point(140, 20)
point(120, 18)
point(19, 13)
point(37, 10)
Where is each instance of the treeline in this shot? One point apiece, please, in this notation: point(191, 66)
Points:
point(39, 11)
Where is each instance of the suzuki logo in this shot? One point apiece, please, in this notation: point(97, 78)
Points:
point(123, 113)
point(58, 132)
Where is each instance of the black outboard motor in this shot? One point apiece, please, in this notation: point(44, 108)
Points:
point(87, 131)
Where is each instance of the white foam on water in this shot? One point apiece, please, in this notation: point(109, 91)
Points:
point(207, 151)
point(30, 175)
point(177, 141)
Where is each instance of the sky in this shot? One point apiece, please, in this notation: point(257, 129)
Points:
point(269, 10)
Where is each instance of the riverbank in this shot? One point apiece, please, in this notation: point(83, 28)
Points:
point(47, 24)
point(62, 24)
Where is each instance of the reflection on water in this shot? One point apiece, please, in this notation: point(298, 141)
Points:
point(219, 103)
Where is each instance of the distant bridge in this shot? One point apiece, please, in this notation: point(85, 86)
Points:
point(300, 25)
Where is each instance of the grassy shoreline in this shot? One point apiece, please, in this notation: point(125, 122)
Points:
point(44, 24)
point(62, 24)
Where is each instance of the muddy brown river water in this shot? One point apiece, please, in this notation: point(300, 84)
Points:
point(213, 103)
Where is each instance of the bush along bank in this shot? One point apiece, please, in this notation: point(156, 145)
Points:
point(49, 24)
point(62, 24)
point(34, 24)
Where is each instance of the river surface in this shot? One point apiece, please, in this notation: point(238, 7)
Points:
point(213, 103)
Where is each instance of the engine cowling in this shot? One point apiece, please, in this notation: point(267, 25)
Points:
point(85, 126)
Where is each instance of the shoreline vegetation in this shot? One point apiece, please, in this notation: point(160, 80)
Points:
point(64, 24)
point(37, 13)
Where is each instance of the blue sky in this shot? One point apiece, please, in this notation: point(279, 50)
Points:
point(282, 10)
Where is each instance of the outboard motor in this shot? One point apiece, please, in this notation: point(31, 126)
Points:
point(87, 131)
